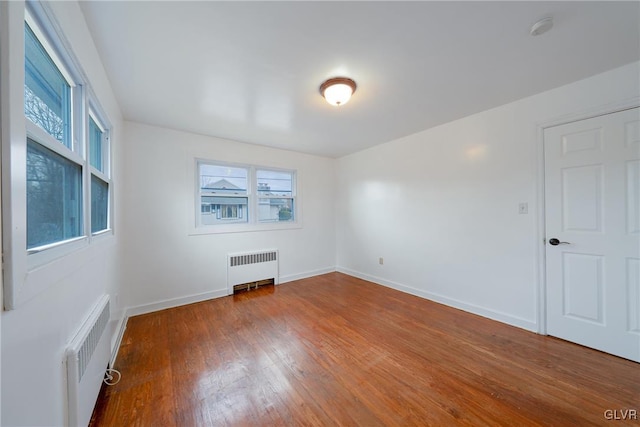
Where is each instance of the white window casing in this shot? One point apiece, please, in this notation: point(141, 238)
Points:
point(24, 275)
point(212, 221)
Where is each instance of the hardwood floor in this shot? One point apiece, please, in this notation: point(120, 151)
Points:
point(334, 350)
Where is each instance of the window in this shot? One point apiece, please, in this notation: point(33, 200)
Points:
point(47, 93)
point(95, 145)
point(99, 205)
point(54, 197)
point(275, 192)
point(100, 183)
point(229, 211)
point(56, 174)
point(224, 190)
point(244, 194)
point(54, 169)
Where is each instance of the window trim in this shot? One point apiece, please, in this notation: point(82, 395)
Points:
point(253, 224)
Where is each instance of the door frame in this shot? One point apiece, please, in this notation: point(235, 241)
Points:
point(541, 247)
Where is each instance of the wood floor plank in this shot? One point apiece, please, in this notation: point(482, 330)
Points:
point(336, 350)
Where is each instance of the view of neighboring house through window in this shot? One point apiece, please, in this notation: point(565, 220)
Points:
point(245, 194)
point(275, 195)
point(223, 194)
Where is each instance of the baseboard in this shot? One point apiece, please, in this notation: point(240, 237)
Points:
point(190, 299)
point(306, 274)
point(174, 302)
point(451, 302)
point(121, 327)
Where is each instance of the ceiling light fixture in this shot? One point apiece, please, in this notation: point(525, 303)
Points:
point(338, 90)
point(542, 26)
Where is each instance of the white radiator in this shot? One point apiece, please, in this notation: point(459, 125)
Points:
point(250, 267)
point(87, 359)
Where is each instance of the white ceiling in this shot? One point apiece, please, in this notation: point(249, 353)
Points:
point(250, 71)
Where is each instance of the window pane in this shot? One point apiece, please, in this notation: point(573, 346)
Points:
point(95, 145)
point(274, 183)
point(223, 210)
point(54, 197)
point(99, 204)
point(275, 210)
point(47, 95)
point(223, 179)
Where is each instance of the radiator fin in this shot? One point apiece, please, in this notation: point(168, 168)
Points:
point(91, 342)
point(256, 258)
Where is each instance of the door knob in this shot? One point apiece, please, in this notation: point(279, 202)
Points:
point(555, 242)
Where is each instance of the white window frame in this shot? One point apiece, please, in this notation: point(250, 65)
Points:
point(26, 273)
point(100, 119)
point(42, 28)
point(276, 197)
point(230, 221)
point(252, 196)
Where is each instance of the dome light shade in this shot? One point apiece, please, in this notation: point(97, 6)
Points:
point(338, 91)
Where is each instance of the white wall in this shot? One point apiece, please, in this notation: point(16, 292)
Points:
point(163, 264)
point(441, 206)
point(35, 335)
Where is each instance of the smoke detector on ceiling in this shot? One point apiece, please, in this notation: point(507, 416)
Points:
point(542, 26)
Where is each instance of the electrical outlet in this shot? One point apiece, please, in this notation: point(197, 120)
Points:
point(381, 261)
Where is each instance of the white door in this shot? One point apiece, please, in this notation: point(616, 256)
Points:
point(592, 204)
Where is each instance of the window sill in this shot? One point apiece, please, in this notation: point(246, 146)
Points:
point(42, 255)
point(99, 234)
point(242, 228)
